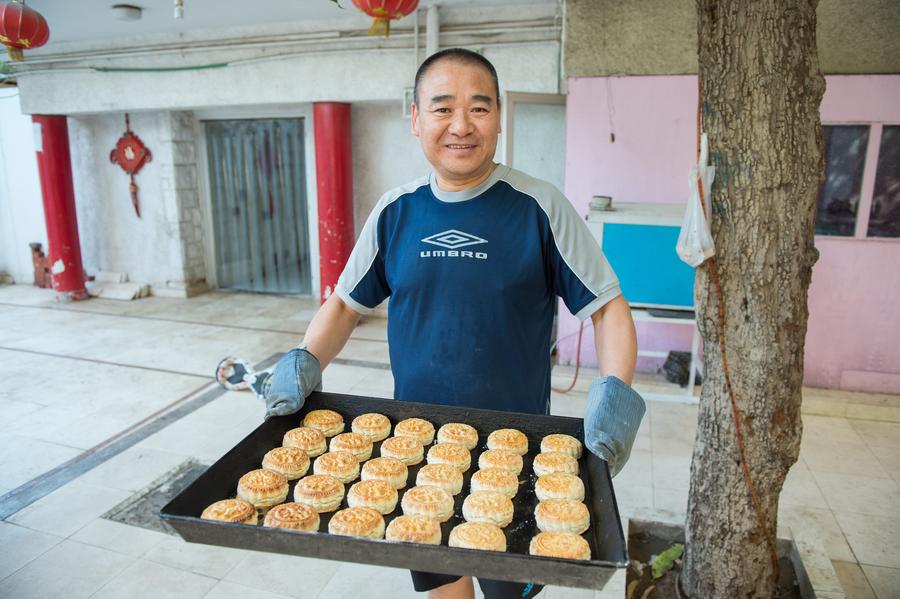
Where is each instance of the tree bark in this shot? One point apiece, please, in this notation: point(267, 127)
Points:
point(761, 90)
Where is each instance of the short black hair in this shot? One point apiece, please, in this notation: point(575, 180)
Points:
point(458, 55)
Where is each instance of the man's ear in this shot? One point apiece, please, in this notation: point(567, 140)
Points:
point(414, 112)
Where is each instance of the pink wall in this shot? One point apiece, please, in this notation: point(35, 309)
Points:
point(854, 314)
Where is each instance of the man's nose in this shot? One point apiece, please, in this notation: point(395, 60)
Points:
point(461, 124)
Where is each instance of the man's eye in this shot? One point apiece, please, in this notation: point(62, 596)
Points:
point(442, 110)
point(479, 109)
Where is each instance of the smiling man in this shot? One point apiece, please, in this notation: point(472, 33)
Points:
point(473, 257)
point(458, 132)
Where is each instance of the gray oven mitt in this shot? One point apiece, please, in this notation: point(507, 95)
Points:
point(611, 421)
point(296, 375)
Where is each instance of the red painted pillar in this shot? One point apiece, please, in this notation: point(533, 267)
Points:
point(55, 170)
point(334, 186)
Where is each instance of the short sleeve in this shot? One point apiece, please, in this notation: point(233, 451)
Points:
point(580, 273)
point(362, 284)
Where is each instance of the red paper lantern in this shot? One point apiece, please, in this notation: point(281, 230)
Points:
point(21, 28)
point(384, 11)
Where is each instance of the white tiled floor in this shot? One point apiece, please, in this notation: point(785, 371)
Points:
point(149, 580)
point(28, 545)
point(98, 367)
point(291, 576)
point(69, 569)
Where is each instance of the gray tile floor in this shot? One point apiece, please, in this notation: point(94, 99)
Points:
point(90, 372)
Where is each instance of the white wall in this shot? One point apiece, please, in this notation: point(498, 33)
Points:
point(164, 247)
point(21, 210)
point(335, 76)
point(385, 154)
point(287, 65)
point(539, 139)
point(112, 236)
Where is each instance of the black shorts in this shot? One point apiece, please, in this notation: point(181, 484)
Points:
point(492, 589)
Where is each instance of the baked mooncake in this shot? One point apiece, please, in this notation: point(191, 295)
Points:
point(502, 459)
point(310, 440)
point(431, 502)
point(379, 495)
point(459, 433)
point(445, 476)
point(231, 510)
point(547, 463)
point(562, 515)
point(263, 488)
point(408, 450)
point(559, 485)
point(327, 421)
point(292, 462)
point(560, 544)
point(294, 516)
point(414, 529)
point(489, 507)
point(450, 454)
point(376, 427)
point(560, 443)
point(391, 470)
point(508, 439)
point(321, 492)
point(356, 443)
point(496, 480)
point(477, 535)
point(340, 464)
point(416, 428)
point(357, 522)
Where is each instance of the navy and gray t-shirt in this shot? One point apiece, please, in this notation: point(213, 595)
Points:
point(472, 278)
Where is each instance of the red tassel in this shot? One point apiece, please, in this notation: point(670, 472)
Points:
point(133, 188)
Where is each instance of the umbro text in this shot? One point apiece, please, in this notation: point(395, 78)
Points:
point(452, 254)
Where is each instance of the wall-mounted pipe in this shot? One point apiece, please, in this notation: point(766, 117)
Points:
point(500, 32)
point(416, 38)
point(432, 30)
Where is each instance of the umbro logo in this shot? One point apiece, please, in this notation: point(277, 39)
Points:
point(453, 239)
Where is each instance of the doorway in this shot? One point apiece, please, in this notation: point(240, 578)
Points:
point(535, 135)
point(259, 204)
point(534, 142)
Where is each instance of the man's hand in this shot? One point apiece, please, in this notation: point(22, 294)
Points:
point(296, 375)
point(614, 413)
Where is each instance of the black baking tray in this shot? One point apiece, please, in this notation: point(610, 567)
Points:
point(605, 535)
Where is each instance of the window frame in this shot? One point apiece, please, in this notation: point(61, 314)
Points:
point(867, 189)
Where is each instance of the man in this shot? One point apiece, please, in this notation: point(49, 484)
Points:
point(472, 258)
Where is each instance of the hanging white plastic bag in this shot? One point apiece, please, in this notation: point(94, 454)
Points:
point(695, 242)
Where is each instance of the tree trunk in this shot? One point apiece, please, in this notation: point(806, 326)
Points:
point(761, 89)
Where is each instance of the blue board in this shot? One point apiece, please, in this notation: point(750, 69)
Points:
point(649, 269)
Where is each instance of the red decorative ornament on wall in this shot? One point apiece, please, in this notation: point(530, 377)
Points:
point(131, 154)
point(21, 28)
point(383, 11)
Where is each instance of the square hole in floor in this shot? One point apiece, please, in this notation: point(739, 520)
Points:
point(142, 508)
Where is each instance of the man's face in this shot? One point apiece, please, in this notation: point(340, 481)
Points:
point(457, 121)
